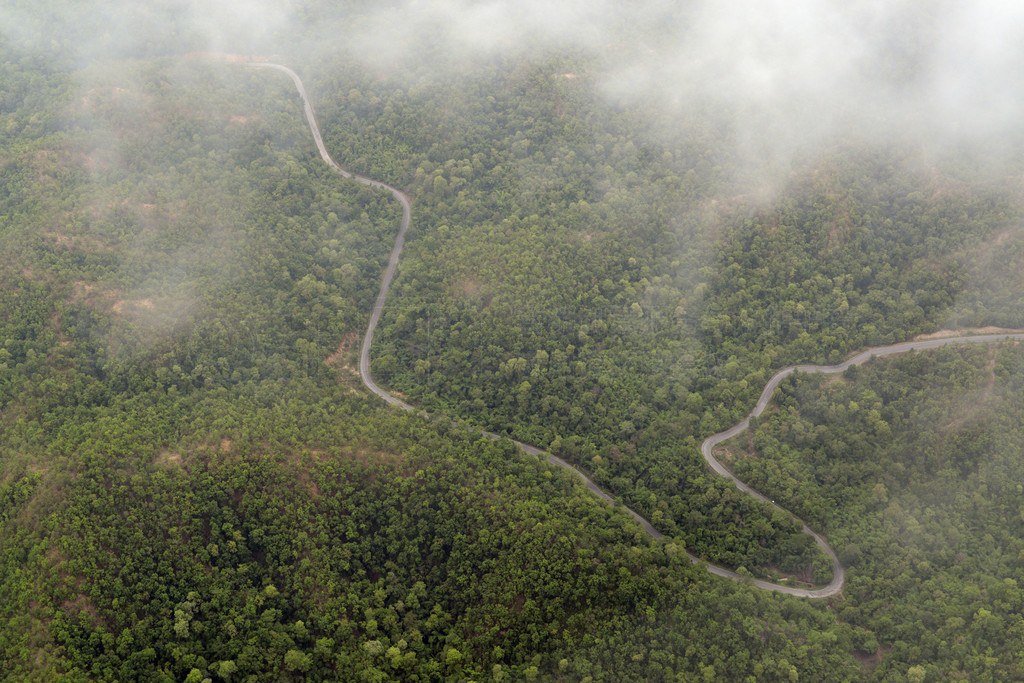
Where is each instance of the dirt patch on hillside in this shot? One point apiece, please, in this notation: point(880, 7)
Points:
point(90, 293)
point(120, 305)
point(168, 458)
point(345, 358)
point(736, 450)
point(943, 334)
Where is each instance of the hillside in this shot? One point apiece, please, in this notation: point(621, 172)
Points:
point(195, 484)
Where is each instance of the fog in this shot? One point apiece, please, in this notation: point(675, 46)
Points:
point(780, 79)
point(785, 74)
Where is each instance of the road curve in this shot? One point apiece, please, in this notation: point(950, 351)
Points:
point(706, 448)
point(838, 571)
point(396, 250)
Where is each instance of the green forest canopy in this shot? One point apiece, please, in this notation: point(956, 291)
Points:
point(193, 484)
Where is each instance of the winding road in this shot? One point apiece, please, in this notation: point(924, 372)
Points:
point(838, 571)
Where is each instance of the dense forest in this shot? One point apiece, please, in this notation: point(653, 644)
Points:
point(194, 484)
point(912, 466)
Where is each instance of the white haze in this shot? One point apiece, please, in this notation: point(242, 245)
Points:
point(784, 78)
point(787, 74)
point(784, 74)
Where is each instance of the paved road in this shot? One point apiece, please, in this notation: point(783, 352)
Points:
point(396, 250)
point(838, 572)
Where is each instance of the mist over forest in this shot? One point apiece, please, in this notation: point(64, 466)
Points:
point(626, 218)
point(799, 73)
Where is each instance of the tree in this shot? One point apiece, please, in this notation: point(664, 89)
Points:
point(297, 661)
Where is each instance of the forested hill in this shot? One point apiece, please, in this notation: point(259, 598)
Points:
point(194, 484)
point(622, 302)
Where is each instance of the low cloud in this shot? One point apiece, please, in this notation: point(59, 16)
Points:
point(782, 75)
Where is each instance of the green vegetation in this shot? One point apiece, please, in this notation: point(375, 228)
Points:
point(912, 466)
point(535, 311)
point(194, 485)
point(190, 486)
